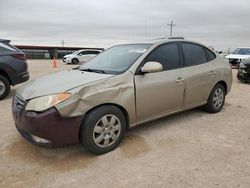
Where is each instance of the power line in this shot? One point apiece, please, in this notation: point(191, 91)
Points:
point(171, 27)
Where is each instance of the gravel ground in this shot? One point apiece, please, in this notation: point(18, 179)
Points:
point(189, 149)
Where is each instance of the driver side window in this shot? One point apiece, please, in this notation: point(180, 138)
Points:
point(167, 55)
point(82, 53)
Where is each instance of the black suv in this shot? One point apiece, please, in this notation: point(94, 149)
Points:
point(13, 67)
point(244, 71)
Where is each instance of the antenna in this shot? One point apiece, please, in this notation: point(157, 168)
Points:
point(171, 27)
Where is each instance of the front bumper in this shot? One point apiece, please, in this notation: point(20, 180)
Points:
point(67, 60)
point(20, 78)
point(48, 125)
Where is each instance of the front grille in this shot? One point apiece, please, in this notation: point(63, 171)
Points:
point(233, 61)
point(18, 104)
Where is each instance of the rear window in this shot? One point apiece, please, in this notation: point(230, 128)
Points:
point(210, 55)
point(194, 54)
point(7, 48)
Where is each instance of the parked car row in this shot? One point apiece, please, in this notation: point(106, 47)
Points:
point(238, 56)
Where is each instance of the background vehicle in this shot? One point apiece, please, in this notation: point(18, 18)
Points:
point(124, 86)
point(80, 56)
point(220, 53)
point(13, 67)
point(239, 55)
point(244, 71)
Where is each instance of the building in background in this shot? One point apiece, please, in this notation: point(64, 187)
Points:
point(48, 52)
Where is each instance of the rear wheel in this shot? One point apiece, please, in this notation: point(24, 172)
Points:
point(4, 87)
point(74, 61)
point(103, 129)
point(216, 99)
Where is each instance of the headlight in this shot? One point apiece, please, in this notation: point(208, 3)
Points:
point(43, 103)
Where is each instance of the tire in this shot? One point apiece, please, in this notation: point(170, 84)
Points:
point(216, 99)
point(74, 61)
point(4, 87)
point(103, 129)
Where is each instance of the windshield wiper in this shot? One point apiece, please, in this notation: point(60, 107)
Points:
point(94, 70)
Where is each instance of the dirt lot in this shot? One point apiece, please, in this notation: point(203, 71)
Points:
point(190, 149)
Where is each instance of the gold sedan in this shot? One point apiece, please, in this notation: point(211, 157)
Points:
point(122, 87)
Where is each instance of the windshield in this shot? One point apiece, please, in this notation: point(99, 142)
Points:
point(5, 47)
point(242, 51)
point(76, 52)
point(116, 59)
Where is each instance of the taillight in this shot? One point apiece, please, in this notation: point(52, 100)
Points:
point(19, 56)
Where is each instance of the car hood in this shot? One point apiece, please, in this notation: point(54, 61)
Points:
point(237, 56)
point(246, 62)
point(58, 82)
point(70, 55)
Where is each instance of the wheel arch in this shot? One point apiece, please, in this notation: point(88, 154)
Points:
point(224, 84)
point(124, 111)
point(5, 74)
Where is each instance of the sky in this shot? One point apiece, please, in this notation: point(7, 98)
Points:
point(102, 23)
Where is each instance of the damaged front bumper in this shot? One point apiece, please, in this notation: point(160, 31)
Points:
point(46, 128)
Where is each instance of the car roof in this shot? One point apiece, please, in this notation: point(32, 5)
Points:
point(89, 50)
point(158, 41)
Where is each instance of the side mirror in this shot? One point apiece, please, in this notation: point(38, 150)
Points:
point(151, 67)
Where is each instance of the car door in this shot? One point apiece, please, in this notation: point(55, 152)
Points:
point(85, 56)
point(198, 73)
point(162, 92)
point(81, 56)
point(89, 55)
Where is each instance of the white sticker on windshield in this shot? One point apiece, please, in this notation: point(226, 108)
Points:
point(137, 50)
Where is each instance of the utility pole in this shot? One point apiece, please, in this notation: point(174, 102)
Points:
point(171, 27)
point(62, 43)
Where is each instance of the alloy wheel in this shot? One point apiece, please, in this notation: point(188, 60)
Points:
point(218, 98)
point(107, 130)
point(2, 87)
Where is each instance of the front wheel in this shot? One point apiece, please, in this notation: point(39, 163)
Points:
point(74, 61)
point(103, 129)
point(216, 99)
point(4, 87)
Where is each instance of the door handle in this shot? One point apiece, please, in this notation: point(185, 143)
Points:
point(212, 73)
point(179, 80)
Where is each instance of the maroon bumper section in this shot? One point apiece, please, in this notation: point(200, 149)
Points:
point(48, 125)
